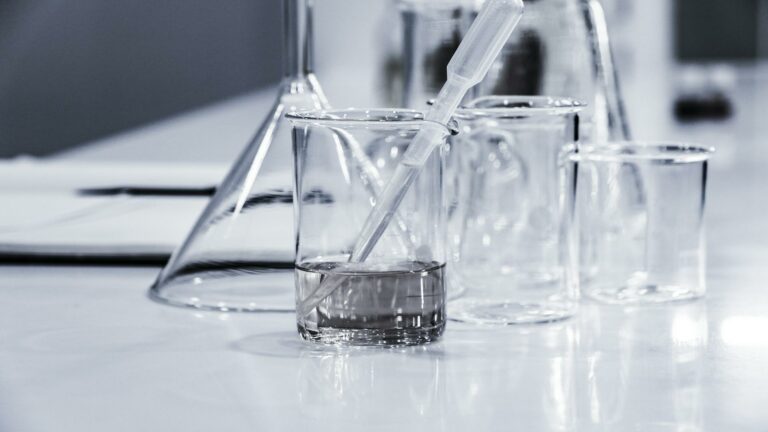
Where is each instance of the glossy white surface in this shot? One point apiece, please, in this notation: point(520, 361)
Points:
point(83, 349)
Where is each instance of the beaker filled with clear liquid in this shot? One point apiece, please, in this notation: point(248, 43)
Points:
point(343, 160)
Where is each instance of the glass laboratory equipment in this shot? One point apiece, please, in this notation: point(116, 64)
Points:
point(508, 249)
point(638, 221)
point(432, 31)
point(561, 47)
point(344, 159)
point(239, 256)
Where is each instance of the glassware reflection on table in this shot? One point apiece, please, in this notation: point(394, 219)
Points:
point(521, 375)
point(239, 255)
point(396, 296)
point(638, 221)
point(561, 47)
point(388, 388)
point(631, 353)
point(508, 252)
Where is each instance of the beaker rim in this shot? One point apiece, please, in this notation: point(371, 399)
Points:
point(519, 106)
point(637, 151)
point(370, 117)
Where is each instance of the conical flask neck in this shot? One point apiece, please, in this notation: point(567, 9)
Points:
point(297, 31)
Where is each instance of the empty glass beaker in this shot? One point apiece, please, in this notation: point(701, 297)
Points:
point(507, 247)
point(638, 220)
point(343, 160)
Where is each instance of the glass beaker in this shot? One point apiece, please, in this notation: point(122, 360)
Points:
point(396, 296)
point(638, 220)
point(508, 251)
point(239, 255)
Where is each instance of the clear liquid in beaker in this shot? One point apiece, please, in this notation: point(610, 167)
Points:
point(396, 304)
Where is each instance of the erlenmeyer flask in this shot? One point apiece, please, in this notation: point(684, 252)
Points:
point(239, 256)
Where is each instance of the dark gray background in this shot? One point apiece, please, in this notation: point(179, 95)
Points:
point(72, 71)
point(716, 30)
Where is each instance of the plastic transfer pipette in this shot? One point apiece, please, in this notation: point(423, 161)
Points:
point(468, 66)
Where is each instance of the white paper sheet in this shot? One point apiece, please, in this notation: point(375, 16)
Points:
point(42, 213)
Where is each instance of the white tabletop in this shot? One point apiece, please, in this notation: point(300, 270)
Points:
point(82, 348)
